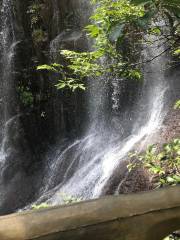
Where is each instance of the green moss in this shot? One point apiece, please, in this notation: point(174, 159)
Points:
point(39, 36)
point(25, 96)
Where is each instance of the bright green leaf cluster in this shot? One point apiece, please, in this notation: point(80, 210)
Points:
point(109, 22)
point(40, 206)
point(163, 163)
point(68, 199)
point(113, 22)
point(65, 79)
point(115, 28)
point(25, 96)
point(177, 105)
point(39, 34)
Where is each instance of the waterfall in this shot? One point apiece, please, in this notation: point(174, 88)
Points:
point(7, 90)
point(84, 167)
point(13, 179)
point(7, 102)
point(120, 116)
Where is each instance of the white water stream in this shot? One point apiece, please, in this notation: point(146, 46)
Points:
point(84, 167)
point(7, 45)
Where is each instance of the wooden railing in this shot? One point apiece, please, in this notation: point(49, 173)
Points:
point(144, 216)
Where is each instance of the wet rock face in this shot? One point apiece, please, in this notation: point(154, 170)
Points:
point(53, 114)
point(171, 127)
point(171, 124)
point(139, 180)
point(68, 20)
point(122, 181)
point(73, 14)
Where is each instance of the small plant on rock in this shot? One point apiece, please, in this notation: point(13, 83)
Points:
point(163, 163)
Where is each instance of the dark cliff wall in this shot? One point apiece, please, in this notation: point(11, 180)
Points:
point(45, 115)
point(51, 114)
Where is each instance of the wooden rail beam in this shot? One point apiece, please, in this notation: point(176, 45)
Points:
point(144, 216)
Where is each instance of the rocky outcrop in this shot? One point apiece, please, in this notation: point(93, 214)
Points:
point(125, 181)
point(171, 128)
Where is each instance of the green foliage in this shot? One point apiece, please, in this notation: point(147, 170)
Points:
point(65, 80)
point(155, 31)
point(39, 35)
point(54, 67)
point(40, 206)
point(170, 6)
point(34, 12)
point(67, 199)
point(110, 21)
point(115, 26)
point(171, 237)
point(167, 9)
point(113, 22)
point(135, 74)
point(83, 64)
point(25, 96)
point(177, 52)
point(164, 163)
point(177, 105)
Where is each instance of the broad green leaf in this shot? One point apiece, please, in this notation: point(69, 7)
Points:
point(82, 87)
point(57, 65)
point(60, 85)
point(93, 30)
point(155, 30)
point(46, 67)
point(177, 105)
point(176, 52)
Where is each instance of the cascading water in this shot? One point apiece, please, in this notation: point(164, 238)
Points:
point(84, 167)
point(7, 93)
point(13, 157)
point(8, 118)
